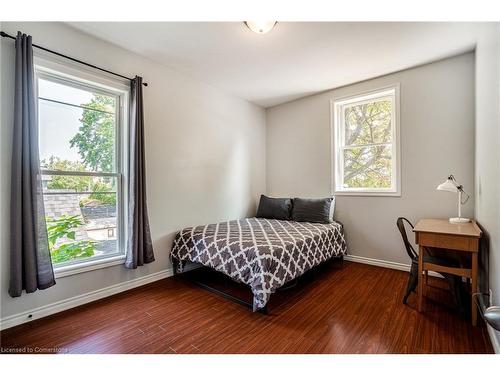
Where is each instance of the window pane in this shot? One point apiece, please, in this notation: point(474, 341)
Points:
point(367, 167)
point(368, 123)
point(67, 94)
point(76, 139)
point(81, 216)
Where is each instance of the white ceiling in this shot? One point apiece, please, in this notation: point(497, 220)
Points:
point(295, 59)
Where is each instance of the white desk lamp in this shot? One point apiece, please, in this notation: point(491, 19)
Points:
point(452, 186)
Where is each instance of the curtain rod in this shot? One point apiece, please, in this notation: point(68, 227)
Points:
point(5, 35)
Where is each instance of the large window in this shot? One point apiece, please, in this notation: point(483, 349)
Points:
point(366, 143)
point(81, 156)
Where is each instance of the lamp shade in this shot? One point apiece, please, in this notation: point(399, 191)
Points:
point(448, 185)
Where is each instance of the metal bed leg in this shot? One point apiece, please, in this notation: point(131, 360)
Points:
point(221, 293)
point(175, 266)
point(289, 285)
point(264, 310)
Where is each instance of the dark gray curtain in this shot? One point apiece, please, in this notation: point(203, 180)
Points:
point(30, 263)
point(139, 245)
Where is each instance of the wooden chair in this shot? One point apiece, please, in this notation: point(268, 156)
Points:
point(455, 282)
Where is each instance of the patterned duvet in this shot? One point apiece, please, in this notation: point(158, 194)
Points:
point(265, 254)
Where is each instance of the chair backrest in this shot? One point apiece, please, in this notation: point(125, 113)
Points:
point(402, 229)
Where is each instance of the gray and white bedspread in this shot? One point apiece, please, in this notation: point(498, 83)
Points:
point(265, 254)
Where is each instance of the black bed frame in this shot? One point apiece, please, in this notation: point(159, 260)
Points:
point(263, 310)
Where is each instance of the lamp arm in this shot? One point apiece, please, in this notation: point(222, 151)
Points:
point(461, 190)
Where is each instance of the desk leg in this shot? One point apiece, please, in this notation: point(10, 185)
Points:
point(420, 281)
point(474, 288)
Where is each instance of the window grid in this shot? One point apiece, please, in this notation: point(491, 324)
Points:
point(116, 174)
point(339, 146)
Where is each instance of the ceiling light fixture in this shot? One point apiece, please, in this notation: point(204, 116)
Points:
point(260, 27)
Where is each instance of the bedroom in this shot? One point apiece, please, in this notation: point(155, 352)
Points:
point(249, 153)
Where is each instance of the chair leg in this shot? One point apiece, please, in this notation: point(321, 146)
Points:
point(426, 277)
point(412, 281)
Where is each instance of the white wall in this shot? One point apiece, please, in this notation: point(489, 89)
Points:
point(488, 148)
point(437, 138)
point(205, 155)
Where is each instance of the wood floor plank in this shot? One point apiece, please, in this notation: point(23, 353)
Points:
point(353, 308)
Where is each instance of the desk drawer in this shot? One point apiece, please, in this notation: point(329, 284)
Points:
point(446, 241)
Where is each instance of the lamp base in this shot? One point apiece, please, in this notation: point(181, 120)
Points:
point(459, 220)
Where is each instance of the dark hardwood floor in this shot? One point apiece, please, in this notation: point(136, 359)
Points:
point(349, 308)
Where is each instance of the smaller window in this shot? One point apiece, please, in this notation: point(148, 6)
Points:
point(366, 143)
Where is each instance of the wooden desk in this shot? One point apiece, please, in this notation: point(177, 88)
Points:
point(441, 234)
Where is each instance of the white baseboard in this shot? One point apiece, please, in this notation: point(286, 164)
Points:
point(384, 263)
point(494, 338)
point(43, 311)
point(378, 262)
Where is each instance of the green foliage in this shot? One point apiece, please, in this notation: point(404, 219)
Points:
point(368, 124)
point(76, 183)
point(62, 228)
point(368, 167)
point(95, 139)
point(72, 250)
point(100, 192)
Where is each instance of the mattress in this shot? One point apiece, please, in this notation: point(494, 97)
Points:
point(264, 254)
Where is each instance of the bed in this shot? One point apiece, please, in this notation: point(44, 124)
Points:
point(264, 254)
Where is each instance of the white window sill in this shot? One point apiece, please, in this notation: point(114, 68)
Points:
point(73, 269)
point(369, 193)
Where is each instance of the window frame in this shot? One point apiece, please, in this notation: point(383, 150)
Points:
point(337, 108)
point(71, 75)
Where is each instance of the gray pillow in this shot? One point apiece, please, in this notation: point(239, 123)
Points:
point(313, 210)
point(274, 208)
